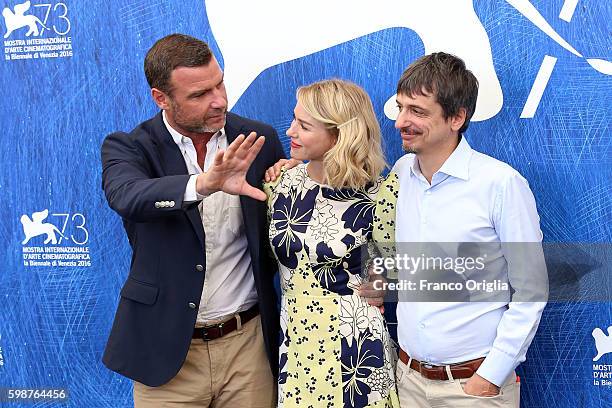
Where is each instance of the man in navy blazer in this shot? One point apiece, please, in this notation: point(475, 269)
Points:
point(197, 320)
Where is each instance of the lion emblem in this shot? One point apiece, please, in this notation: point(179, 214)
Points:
point(35, 227)
point(18, 19)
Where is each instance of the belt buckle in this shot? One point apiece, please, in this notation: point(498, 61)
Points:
point(205, 331)
point(220, 327)
point(425, 365)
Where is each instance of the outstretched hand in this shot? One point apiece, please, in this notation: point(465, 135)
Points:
point(228, 172)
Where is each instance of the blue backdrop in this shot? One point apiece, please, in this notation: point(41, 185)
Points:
point(80, 77)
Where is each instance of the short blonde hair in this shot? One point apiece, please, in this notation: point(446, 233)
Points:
point(346, 109)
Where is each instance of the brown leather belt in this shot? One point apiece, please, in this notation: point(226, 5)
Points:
point(215, 331)
point(433, 372)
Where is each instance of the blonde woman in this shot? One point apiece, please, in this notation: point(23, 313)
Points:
point(335, 348)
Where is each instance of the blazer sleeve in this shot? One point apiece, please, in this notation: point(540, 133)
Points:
point(129, 183)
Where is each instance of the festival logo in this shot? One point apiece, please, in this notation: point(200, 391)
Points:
point(36, 31)
point(602, 373)
point(62, 243)
point(18, 19)
point(35, 227)
point(603, 342)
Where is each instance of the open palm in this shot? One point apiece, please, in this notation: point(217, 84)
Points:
point(228, 171)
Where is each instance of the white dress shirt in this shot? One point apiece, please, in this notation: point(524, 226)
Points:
point(472, 198)
point(229, 286)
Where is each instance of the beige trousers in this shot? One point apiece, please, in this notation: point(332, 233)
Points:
point(416, 391)
point(231, 371)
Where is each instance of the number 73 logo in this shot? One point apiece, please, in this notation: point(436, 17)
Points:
point(60, 11)
point(36, 226)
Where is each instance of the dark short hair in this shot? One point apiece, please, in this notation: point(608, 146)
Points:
point(446, 77)
point(170, 52)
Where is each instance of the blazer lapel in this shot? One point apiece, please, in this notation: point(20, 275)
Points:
point(232, 130)
point(171, 158)
point(173, 163)
point(247, 204)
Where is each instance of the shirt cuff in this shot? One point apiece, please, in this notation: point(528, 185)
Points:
point(496, 367)
point(191, 194)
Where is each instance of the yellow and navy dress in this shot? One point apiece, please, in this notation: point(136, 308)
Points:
point(335, 349)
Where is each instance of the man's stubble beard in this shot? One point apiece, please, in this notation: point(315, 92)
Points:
point(200, 128)
point(206, 129)
point(409, 149)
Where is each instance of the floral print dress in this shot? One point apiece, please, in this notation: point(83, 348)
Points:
point(335, 349)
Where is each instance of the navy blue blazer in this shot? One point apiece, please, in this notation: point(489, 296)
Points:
point(154, 323)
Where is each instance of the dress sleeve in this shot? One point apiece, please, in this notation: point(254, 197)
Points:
point(383, 232)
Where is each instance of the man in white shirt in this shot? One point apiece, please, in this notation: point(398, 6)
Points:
point(197, 321)
point(453, 353)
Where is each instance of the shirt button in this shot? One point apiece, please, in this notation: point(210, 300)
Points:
point(199, 268)
point(428, 192)
point(422, 325)
point(424, 221)
point(192, 305)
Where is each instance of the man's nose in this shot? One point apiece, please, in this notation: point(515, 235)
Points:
point(219, 100)
point(402, 120)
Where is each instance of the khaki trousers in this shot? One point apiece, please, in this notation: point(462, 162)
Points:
point(231, 371)
point(416, 391)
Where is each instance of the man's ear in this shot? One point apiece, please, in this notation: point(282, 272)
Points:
point(458, 120)
point(161, 98)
